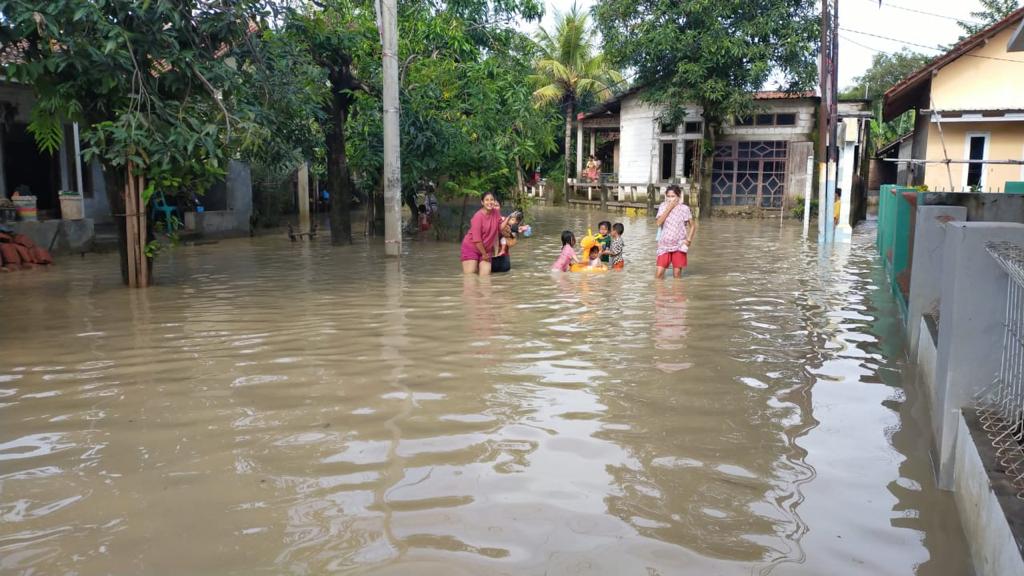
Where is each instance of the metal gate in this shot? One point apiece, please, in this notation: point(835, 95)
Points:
point(749, 174)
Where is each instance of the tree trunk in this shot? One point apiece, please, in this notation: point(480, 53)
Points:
point(568, 148)
point(339, 180)
point(113, 181)
point(520, 185)
point(706, 163)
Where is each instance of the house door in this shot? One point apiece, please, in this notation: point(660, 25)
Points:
point(749, 174)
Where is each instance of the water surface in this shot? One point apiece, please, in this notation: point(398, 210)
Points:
point(276, 408)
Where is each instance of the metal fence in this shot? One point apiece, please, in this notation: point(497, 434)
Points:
point(1001, 407)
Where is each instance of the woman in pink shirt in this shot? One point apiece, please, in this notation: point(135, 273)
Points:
point(677, 230)
point(478, 245)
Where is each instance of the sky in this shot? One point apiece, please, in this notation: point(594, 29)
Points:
point(924, 22)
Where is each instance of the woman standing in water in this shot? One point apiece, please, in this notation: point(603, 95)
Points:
point(478, 245)
point(677, 230)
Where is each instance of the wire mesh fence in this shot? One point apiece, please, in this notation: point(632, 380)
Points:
point(1001, 406)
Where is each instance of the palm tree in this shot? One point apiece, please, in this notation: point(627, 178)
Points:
point(570, 68)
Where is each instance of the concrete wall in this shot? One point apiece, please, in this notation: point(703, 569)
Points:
point(904, 172)
point(233, 221)
point(980, 207)
point(637, 143)
point(97, 207)
point(989, 79)
point(972, 311)
point(804, 108)
point(926, 269)
point(59, 236)
point(1006, 142)
point(994, 551)
point(797, 176)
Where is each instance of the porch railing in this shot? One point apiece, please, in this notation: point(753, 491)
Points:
point(1001, 406)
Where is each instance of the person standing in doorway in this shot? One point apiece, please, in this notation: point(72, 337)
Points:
point(677, 230)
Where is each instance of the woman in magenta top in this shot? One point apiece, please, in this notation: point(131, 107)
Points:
point(478, 245)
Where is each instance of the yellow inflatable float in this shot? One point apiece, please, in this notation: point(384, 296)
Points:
point(589, 241)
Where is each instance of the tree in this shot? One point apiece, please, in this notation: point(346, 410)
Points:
point(152, 83)
point(570, 68)
point(991, 12)
point(885, 72)
point(712, 54)
point(339, 35)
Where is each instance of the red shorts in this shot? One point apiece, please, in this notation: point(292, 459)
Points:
point(675, 259)
point(619, 265)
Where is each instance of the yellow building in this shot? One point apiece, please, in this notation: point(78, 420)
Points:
point(970, 104)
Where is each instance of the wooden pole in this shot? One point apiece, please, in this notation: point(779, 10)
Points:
point(388, 18)
point(303, 181)
point(141, 227)
point(131, 223)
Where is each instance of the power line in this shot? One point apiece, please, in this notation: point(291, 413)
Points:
point(936, 48)
point(916, 11)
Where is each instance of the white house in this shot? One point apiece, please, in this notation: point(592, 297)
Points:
point(760, 162)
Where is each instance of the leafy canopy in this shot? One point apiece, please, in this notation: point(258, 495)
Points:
point(570, 65)
point(713, 53)
point(991, 12)
point(153, 83)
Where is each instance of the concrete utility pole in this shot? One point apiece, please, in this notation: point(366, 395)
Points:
point(828, 117)
point(387, 12)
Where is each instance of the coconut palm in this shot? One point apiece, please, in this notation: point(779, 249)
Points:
point(570, 68)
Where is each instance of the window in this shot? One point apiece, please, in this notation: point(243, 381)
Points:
point(668, 128)
point(667, 168)
point(744, 120)
point(749, 174)
point(690, 158)
point(976, 149)
point(785, 119)
point(765, 119)
point(694, 127)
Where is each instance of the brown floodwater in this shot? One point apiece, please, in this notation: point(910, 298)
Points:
point(280, 408)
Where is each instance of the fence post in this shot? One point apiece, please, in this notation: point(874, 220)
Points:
point(650, 197)
point(604, 197)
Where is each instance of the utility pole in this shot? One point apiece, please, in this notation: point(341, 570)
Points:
point(833, 121)
point(387, 17)
point(823, 74)
point(828, 120)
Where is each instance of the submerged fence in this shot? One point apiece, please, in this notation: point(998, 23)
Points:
point(1001, 407)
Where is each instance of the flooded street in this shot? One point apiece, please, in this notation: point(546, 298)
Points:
point(279, 408)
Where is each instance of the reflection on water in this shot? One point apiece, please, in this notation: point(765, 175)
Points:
point(274, 407)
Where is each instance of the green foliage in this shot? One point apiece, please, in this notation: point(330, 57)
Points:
point(797, 211)
point(715, 54)
point(168, 86)
point(991, 12)
point(886, 71)
point(570, 70)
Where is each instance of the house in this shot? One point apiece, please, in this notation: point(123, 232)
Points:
point(969, 127)
point(761, 162)
point(24, 167)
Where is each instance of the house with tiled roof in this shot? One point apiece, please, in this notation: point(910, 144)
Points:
point(969, 128)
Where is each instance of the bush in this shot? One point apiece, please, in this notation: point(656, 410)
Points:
point(797, 211)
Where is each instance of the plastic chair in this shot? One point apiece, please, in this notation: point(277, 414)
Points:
point(160, 206)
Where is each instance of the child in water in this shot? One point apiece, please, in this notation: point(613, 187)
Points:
point(595, 258)
point(507, 238)
point(604, 228)
point(568, 256)
point(614, 251)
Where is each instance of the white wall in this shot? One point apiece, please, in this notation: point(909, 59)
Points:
point(636, 145)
